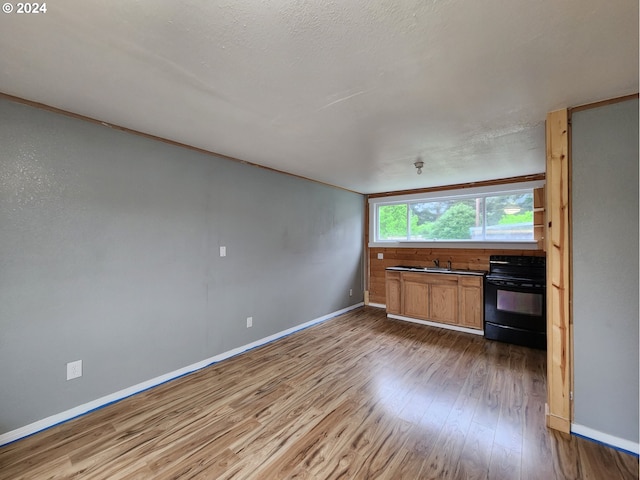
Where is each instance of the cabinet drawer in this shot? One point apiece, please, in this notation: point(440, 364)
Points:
point(470, 281)
point(416, 277)
point(439, 278)
point(393, 275)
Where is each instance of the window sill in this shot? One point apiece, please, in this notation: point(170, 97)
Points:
point(524, 245)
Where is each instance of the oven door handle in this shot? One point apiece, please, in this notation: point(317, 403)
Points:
point(501, 283)
point(528, 287)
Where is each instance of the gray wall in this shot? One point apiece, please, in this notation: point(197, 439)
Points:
point(109, 253)
point(605, 268)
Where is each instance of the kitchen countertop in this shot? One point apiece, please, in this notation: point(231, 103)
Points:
point(403, 268)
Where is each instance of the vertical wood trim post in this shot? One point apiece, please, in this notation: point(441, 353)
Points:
point(558, 275)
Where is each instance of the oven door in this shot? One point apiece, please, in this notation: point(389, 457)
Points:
point(515, 303)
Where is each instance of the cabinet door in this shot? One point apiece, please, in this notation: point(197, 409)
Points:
point(444, 302)
point(471, 302)
point(415, 297)
point(392, 286)
point(471, 308)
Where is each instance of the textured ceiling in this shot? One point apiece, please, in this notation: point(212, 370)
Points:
point(345, 92)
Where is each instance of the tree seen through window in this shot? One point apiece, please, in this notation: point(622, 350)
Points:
point(489, 217)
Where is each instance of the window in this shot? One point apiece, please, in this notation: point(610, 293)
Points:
point(487, 214)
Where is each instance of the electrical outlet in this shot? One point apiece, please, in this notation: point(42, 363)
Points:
point(223, 251)
point(381, 256)
point(351, 292)
point(74, 369)
point(249, 322)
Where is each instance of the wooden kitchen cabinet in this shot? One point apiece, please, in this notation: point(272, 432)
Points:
point(392, 286)
point(471, 302)
point(445, 298)
point(415, 296)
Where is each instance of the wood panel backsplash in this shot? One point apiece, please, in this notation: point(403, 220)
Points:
point(461, 258)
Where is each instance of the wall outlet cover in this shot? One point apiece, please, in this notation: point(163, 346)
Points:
point(74, 369)
point(249, 322)
point(223, 251)
point(380, 256)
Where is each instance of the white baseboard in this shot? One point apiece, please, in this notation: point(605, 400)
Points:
point(437, 324)
point(377, 305)
point(48, 422)
point(610, 440)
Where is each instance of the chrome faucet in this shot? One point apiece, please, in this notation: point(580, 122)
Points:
point(436, 262)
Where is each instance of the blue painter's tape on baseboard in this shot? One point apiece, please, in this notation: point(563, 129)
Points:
point(618, 443)
point(102, 402)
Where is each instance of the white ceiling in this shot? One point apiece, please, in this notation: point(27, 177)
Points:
point(347, 92)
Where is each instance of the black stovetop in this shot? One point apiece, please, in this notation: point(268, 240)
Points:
point(517, 266)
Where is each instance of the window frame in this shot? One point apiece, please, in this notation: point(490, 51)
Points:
point(442, 195)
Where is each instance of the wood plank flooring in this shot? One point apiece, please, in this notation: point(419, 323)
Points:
point(357, 397)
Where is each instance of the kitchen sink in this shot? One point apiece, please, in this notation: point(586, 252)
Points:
point(413, 268)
